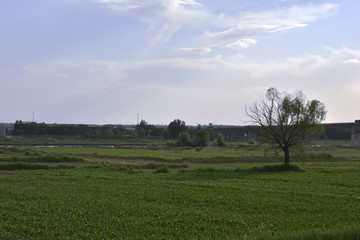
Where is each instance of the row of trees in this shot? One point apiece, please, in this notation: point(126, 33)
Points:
point(33, 128)
point(177, 130)
point(201, 139)
point(142, 130)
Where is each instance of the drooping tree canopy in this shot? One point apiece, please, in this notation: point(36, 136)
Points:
point(287, 119)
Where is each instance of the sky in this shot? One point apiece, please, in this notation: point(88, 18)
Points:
point(200, 61)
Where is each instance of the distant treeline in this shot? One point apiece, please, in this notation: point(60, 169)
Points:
point(33, 128)
point(143, 129)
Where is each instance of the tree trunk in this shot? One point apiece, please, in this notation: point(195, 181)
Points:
point(287, 155)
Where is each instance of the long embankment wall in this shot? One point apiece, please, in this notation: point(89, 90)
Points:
point(344, 131)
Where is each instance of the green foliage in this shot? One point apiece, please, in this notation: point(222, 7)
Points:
point(202, 138)
point(171, 144)
point(211, 133)
point(287, 120)
point(251, 141)
point(175, 127)
point(220, 140)
point(183, 139)
point(146, 130)
point(106, 131)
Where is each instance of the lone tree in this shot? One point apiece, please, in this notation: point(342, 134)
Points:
point(286, 119)
point(175, 127)
point(202, 138)
point(183, 139)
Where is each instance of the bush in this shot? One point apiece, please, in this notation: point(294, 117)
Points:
point(171, 144)
point(183, 139)
point(220, 140)
point(251, 141)
point(202, 138)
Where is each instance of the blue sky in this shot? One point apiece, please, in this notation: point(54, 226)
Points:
point(202, 61)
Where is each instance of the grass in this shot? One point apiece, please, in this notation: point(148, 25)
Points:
point(26, 166)
point(95, 203)
point(178, 193)
point(47, 159)
point(231, 154)
point(350, 232)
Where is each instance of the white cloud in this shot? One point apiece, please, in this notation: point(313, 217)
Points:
point(45, 72)
point(353, 60)
point(167, 17)
point(255, 25)
point(164, 17)
point(197, 50)
point(242, 43)
point(148, 6)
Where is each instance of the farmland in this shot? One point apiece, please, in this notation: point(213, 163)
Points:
point(154, 192)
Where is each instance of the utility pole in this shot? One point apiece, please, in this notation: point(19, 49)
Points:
point(33, 114)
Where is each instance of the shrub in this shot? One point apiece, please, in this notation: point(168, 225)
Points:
point(202, 138)
point(251, 141)
point(171, 144)
point(183, 139)
point(220, 140)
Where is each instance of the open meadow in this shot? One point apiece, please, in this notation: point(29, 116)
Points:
point(240, 191)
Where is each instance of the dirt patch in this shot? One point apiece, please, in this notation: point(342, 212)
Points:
point(8, 174)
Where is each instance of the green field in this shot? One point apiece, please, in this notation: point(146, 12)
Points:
point(101, 193)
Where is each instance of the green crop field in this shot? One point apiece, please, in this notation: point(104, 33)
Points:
point(179, 193)
point(102, 203)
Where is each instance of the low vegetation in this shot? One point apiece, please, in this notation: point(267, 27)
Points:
point(239, 191)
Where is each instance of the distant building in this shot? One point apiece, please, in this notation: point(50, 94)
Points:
point(355, 133)
point(5, 127)
point(332, 131)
